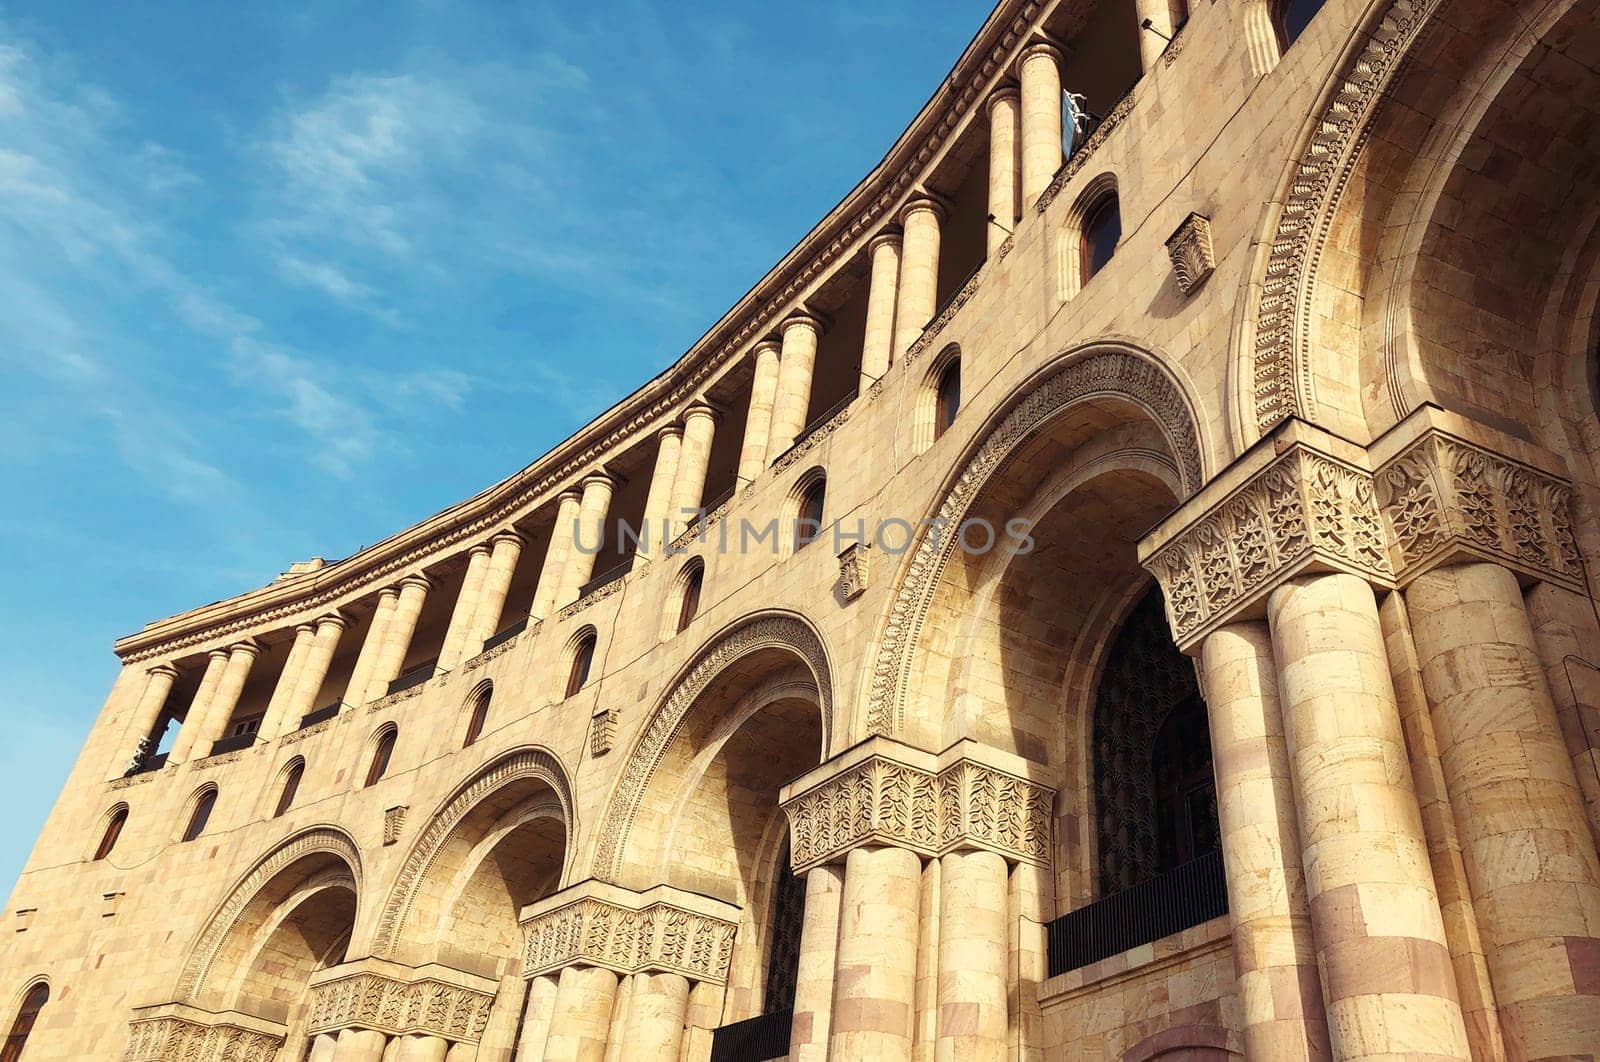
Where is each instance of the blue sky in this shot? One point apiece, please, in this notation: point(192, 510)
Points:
point(276, 284)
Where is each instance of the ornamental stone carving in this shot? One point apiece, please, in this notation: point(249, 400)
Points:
point(661, 930)
point(175, 1031)
point(854, 570)
point(886, 793)
point(602, 731)
point(429, 1000)
point(1193, 259)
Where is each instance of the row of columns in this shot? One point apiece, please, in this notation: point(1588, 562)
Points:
point(1341, 943)
point(592, 1014)
point(370, 1045)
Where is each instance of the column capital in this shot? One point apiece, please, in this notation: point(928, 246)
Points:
point(924, 201)
point(598, 477)
point(389, 592)
point(1435, 489)
point(803, 317)
point(670, 429)
point(219, 653)
point(701, 408)
point(507, 534)
point(249, 647)
point(334, 619)
point(884, 792)
point(417, 579)
point(573, 494)
point(177, 1030)
point(1008, 91)
point(164, 668)
point(659, 930)
point(888, 236)
point(308, 626)
point(482, 548)
point(1038, 48)
point(400, 1000)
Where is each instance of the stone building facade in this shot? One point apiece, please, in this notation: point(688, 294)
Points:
point(1271, 732)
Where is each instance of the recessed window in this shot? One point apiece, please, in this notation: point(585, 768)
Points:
point(380, 755)
point(947, 397)
point(808, 517)
point(1290, 19)
point(694, 577)
point(291, 786)
point(480, 715)
point(201, 815)
point(582, 660)
point(17, 1039)
point(108, 840)
point(1102, 228)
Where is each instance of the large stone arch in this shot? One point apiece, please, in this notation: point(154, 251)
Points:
point(533, 769)
point(784, 632)
point(1103, 372)
point(299, 859)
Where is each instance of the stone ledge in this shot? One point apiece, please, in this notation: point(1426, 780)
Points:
point(1191, 943)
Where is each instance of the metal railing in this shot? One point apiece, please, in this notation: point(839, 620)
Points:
point(232, 743)
point(504, 635)
point(610, 575)
point(753, 1040)
point(320, 715)
point(819, 420)
point(151, 763)
point(415, 677)
point(1185, 896)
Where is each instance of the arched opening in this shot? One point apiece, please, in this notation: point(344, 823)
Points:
point(809, 510)
point(382, 752)
point(582, 659)
point(1101, 231)
point(479, 715)
point(23, 1024)
point(1290, 19)
point(200, 813)
point(947, 397)
point(291, 785)
point(113, 831)
point(694, 574)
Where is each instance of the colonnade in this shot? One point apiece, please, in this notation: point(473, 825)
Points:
point(371, 1045)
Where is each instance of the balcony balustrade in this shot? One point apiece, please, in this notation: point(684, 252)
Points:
point(1185, 896)
point(757, 1039)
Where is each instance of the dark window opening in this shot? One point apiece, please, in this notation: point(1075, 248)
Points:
point(480, 715)
point(784, 927)
point(291, 786)
point(1290, 19)
point(691, 595)
point(1102, 229)
point(201, 815)
point(17, 1039)
point(380, 756)
point(808, 520)
point(108, 840)
point(949, 398)
point(582, 660)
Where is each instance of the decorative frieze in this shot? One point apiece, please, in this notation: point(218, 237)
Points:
point(854, 570)
point(598, 594)
point(1193, 259)
point(500, 650)
point(951, 308)
point(398, 697)
point(175, 1031)
point(401, 1001)
point(307, 731)
point(894, 795)
point(658, 931)
point(810, 441)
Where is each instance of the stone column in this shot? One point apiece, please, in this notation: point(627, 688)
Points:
point(194, 720)
point(288, 681)
point(874, 986)
point(225, 698)
point(581, 1017)
point(658, 521)
point(1529, 855)
point(620, 1009)
point(1031, 906)
point(973, 949)
point(1274, 953)
point(1039, 70)
point(917, 297)
point(758, 422)
point(925, 1006)
point(1159, 12)
point(800, 334)
point(877, 343)
point(588, 532)
point(502, 569)
point(555, 555)
point(1568, 634)
point(323, 1046)
point(397, 634)
point(457, 636)
point(422, 1049)
point(688, 485)
point(819, 948)
point(536, 1018)
point(157, 688)
point(704, 1016)
point(313, 671)
point(1385, 969)
point(1002, 166)
point(655, 1016)
point(360, 1045)
point(371, 647)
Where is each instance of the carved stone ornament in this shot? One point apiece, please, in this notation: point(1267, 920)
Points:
point(394, 820)
point(854, 569)
point(1193, 260)
point(175, 1031)
point(602, 731)
point(661, 930)
point(892, 794)
point(429, 1000)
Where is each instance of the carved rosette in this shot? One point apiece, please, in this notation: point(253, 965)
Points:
point(853, 570)
point(163, 1038)
point(652, 937)
point(1305, 508)
point(1193, 259)
point(884, 801)
point(425, 1006)
point(1444, 498)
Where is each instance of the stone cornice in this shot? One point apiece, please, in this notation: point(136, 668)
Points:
point(883, 792)
point(660, 930)
point(376, 994)
point(865, 209)
point(176, 1030)
point(1434, 490)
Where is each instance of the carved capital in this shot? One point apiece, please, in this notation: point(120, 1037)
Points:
point(400, 1000)
point(854, 570)
point(661, 930)
point(175, 1030)
point(885, 793)
point(1193, 259)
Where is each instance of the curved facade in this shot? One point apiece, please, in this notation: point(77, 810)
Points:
point(1117, 589)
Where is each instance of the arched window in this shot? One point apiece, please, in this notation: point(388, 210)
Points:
point(808, 517)
point(201, 815)
point(291, 785)
point(381, 751)
point(582, 660)
point(480, 715)
point(108, 839)
point(17, 1039)
point(1102, 228)
point(948, 397)
point(1290, 19)
point(693, 579)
